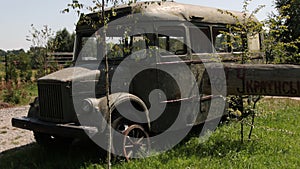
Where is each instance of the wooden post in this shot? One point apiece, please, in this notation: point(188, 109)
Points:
point(258, 79)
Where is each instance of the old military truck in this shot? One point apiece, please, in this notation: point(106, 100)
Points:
point(150, 46)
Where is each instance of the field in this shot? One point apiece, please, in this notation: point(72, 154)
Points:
point(274, 144)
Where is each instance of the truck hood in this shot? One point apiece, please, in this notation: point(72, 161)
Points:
point(77, 73)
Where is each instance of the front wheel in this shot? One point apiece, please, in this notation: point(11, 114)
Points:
point(136, 143)
point(131, 141)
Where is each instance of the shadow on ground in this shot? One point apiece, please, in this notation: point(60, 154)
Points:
point(83, 154)
point(32, 156)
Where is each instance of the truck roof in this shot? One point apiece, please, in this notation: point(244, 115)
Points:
point(175, 11)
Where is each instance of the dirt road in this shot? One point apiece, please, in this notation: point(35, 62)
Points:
point(11, 137)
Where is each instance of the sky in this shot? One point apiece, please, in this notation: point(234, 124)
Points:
point(16, 17)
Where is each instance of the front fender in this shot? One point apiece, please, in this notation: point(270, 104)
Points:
point(118, 99)
point(34, 108)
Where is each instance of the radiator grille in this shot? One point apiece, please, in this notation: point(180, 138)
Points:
point(51, 103)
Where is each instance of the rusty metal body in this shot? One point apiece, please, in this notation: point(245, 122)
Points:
point(55, 109)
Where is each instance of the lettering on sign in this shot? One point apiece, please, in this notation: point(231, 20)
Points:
point(270, 87)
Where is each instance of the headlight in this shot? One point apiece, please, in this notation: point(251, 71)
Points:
point(89, 105)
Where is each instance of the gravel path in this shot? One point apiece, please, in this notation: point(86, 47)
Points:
point(11, 137)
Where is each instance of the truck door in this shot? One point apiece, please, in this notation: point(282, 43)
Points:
point(174, 77)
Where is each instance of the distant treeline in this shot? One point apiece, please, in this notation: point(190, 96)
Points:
point(27, 65)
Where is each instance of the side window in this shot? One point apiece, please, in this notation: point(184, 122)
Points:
point(117, 42)
point(200, 40)
point(221, 40)
point(254, 43)
point(139, 47)
point(238, 42)
point(88, 48)
point(115, 47)
point(171, 41)
point(138, 43)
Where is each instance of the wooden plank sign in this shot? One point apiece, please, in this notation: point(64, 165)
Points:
point(259, 79)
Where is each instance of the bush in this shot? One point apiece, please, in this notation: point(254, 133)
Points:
point(11, 94)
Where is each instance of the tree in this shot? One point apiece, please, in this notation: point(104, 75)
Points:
point(290, 9)
point(63, 41)
point(12, 62)
point(16, 52)
point(2, 59)
point(283, 37)
point(18, 66)
point(40, 48)
point(24, 65)
point(2, 53)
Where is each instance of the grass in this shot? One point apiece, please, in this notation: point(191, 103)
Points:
point(274, 144)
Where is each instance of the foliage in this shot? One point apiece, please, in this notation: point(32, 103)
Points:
point(2, 71)
point(275, 145)
point(12, 67)
point(11, 94)
point(246, 28)
point(19, 67)
point(63, 40)
point(18, 94)
point(19, 74)
point(41, 47)
point(45, 42)
point(282, 36)
point(2, 53)
point(289, 10)
point(24, 67)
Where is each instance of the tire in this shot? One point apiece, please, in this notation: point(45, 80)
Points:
point(136, 142)
point(127, 130)
point(119, 126)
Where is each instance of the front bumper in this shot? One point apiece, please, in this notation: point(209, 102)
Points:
point(65, 130)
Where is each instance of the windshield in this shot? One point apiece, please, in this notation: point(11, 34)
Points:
point(92, 48)
point(118, 45)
